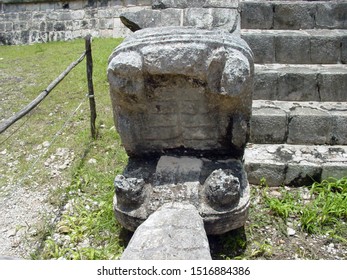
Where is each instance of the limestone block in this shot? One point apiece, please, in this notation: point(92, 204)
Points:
point(151, 18)
point(174, 232)
point(299, 174)
point(198, 84)
point(272, 171)
point(339, 129)
point(333, 86)
point(262, 45)
point(297, 87)
point(182, 4)
point(265, 85)
point(294, 16)
point(76, 5)
point(64, 16)
point(221, 4)
point(325, 50)
point(297, 163)
point(344, 50)
point(205, 18)
point(255, 16)
point(334, 170)
point(268, 125)
point(309, 125)
point(331, 15)
point(27, 16)
point(178, 170)
point(212, 18)
point(144, 2)
point(292, 49)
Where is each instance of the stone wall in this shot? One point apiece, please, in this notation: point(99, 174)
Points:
point(34, 21)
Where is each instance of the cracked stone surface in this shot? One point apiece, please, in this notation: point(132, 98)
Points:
point(277, 122)
point(174, 232)
point(294, 164)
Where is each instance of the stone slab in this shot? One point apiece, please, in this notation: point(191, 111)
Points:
point(294, 14)
point(331, 15)
point(255, 15)
point(182, 4)
point(174, 232)
point(307, 82)
point(294, 165)
point(311, 123)
point(179, 169)
point(204, 18)
point(296, 46)
point(268, 125)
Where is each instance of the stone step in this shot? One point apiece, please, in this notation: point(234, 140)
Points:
point(307, 123)
point(294, 165)
point(294, 14)
point(297, 46)
point(306, 82)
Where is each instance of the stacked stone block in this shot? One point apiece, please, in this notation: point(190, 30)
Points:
point(298, 127)
point(203, 14)
point(23, 22)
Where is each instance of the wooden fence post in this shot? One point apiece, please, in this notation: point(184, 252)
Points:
point(90, 85)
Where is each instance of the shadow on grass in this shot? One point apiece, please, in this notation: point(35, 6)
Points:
point(230, 245)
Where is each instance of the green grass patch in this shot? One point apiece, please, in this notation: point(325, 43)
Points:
point(88, 228)
point(324, 213)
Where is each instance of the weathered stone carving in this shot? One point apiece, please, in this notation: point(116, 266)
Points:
point(182, 98)
point(182, 88)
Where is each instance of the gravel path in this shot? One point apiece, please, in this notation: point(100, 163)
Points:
point(25, 208)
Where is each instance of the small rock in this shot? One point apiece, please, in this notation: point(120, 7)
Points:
point(331, 248)
point(85, 243)
point(46, 144)
point(92, 161)
point(4, 152)
point(12, 233)
point(63, 166)
point(275, 194)
point(15, 243)
point(64, 229)
point(290, 231)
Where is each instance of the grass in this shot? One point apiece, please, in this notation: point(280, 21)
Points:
point(89, 179)
point(324, 213)
point(86, 228)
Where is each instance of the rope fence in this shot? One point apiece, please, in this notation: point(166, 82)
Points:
point(34, 103)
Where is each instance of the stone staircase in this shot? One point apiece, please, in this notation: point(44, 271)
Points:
point(299, 122)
